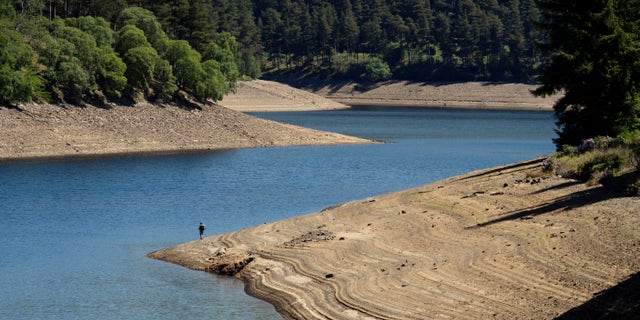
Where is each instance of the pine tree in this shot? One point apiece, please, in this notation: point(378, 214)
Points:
point(595, 63)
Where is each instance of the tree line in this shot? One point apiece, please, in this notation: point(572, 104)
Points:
point(370, 39)
point(594, 49)
point(404, 39)
point(87, 58)
point(414, 39)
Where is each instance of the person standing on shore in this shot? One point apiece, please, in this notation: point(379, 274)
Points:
point(201, 229)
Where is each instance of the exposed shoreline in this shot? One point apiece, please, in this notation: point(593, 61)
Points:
point(37, 132)
point(268, 96)
point(501, 243)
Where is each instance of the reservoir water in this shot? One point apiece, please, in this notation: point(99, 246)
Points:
point(74, 232)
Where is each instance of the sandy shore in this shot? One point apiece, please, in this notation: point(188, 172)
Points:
point(262, 95)
point(501, 243)
point(42, 131)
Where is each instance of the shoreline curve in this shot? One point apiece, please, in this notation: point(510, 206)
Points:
point(502, 243)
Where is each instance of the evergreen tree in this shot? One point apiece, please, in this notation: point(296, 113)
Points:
point(595, 63)
point(347, 32)
point(273, 36)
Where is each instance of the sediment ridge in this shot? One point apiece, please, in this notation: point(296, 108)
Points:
point(509, 242)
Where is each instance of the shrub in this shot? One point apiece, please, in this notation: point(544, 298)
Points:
point(605, 160)
point(375, 69)
point(110, 73)
point(164, 82)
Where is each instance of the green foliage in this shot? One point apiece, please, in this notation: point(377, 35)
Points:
point(98, 28)
point(204, 80)
point(130, 37)
point(291, 33)
point(187, 68)
point(223, 50)
point(18, 79)
point(595, 62)
point(340, 63)
point(463, 40)
point(601, 160)
point(164, 85)
point(214, 80)
point(145, 20)
point(81, 58)
point(375, 69)
point(6, 10)
point(138, 55)
point(69, 57)
point(110, 73)
point(141, 64)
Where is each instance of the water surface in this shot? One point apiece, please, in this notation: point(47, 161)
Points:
point(74, 232)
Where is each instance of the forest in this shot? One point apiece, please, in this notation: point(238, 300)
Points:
point(74, 50)
point(428, 40)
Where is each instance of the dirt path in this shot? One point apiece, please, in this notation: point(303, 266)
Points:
point(501, 243)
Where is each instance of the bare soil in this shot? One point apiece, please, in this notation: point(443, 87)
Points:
point(43, 130)
point(262, 95)
point(503, 243)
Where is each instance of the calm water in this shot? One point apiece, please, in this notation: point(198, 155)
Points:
point(74, 233)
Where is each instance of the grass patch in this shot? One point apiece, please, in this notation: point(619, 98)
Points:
point(600, 161)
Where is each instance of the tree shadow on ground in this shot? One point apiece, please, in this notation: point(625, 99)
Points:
point(568, 202)
point(621, 301)
point(524, 164)
point(613, 189)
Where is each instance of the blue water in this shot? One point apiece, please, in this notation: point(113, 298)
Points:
point(74, 232)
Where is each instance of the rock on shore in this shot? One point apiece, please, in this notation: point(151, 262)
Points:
point(502, 243)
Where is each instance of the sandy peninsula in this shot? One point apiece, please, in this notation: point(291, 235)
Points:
point(34, 131)
point(503, 243)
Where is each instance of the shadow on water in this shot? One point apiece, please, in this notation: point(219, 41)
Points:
point(621, 301)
